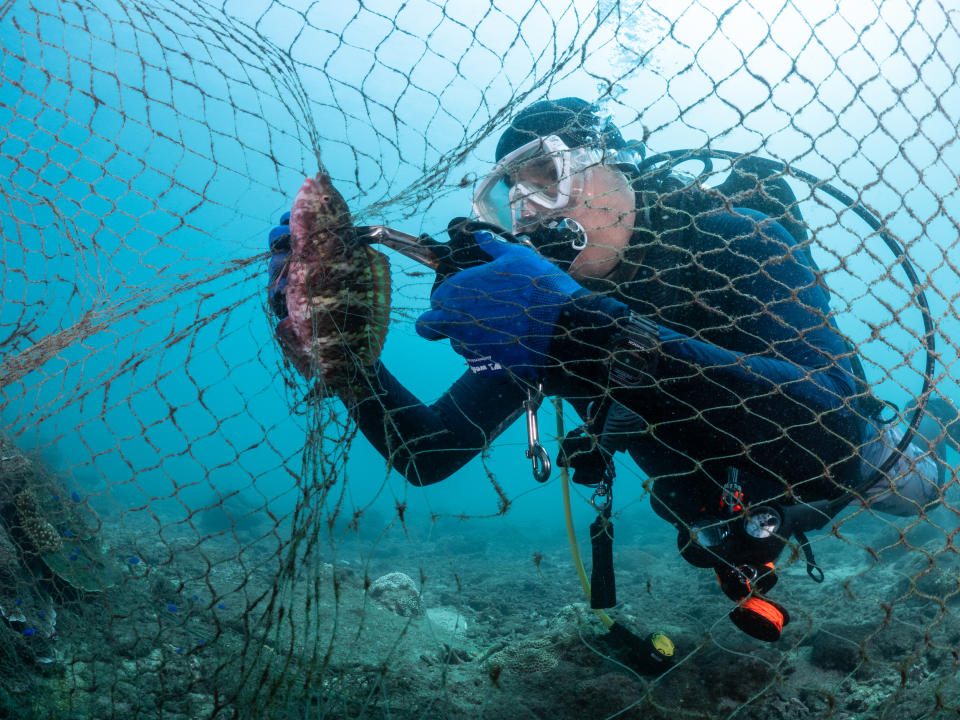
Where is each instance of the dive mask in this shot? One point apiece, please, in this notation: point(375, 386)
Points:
point(534, 182)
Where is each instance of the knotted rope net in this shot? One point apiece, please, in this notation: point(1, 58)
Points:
point(189, 528)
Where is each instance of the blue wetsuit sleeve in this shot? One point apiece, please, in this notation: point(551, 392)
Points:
point(427, 443)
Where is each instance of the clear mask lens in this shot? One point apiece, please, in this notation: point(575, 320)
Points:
point(531, 205)
point(496, 207)
point(539, 176)
point(534, 182)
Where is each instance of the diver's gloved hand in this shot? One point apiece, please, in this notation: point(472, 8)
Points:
point(505, 310)
point(280, 252)
point(462, 251)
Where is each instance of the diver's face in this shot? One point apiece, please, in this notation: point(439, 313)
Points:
point(605, 209)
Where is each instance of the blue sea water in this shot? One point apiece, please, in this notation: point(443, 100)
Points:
point(149, 149)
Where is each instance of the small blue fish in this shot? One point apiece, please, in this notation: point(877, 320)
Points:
point(75, 496)
point(222, 606)
point(133, 560)
point(72, 556)
point(68, 533)
point(30, 631)
point(171, 607)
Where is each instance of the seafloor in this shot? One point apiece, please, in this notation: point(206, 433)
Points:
point(504, 632)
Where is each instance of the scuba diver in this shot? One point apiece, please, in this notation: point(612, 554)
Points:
point(687, 325)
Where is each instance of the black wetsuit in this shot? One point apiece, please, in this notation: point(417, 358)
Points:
point(752, 374)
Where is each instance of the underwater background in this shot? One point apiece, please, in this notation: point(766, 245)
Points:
point(147, 150)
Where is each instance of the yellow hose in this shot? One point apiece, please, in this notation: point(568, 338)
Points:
point(568, 513)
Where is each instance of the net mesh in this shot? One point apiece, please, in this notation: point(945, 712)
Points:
point(189, 528)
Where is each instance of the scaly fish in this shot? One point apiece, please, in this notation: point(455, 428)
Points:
point(337, 293)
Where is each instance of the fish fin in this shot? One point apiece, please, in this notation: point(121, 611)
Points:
point(380, 322)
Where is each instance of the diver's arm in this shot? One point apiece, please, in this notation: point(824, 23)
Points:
point(427, 443)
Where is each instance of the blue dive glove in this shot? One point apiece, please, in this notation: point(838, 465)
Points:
point(280, 249)
point(505, 310)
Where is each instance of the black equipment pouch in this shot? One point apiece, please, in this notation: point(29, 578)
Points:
point(603, 588)
point(633, 359)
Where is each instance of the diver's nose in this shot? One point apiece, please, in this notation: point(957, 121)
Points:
point(524, 215)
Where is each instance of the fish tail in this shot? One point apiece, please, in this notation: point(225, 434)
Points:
point(380, 320)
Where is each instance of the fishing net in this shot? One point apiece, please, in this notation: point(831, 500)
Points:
point(190, 529)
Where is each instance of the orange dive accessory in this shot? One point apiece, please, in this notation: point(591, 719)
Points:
point(760, 618)
point(756, 616)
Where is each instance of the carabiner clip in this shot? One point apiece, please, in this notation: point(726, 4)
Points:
point(535, 451)
point(602, 499)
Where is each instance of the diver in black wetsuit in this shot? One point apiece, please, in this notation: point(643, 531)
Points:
point(691, 333)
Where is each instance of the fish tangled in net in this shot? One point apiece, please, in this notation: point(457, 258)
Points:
point(337, 291)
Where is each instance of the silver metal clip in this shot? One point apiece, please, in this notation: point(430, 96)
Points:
point(602, 499)
point(535, 451)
